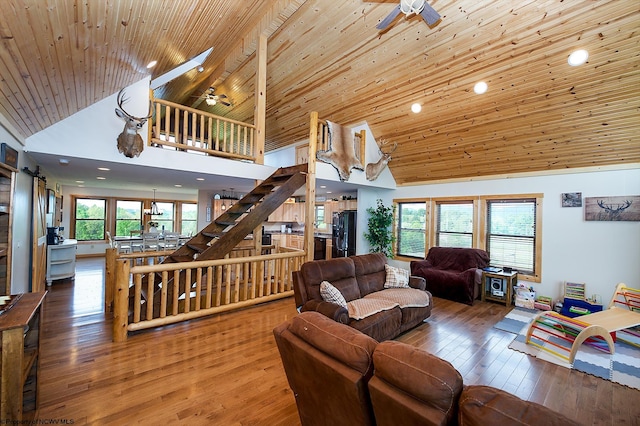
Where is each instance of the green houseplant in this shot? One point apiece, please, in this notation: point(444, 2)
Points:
point(380, 235)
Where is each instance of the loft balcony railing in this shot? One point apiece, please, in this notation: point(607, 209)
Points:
point(188, 129)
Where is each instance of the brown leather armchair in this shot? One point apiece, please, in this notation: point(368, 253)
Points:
point(413, 387)
point(328, 366)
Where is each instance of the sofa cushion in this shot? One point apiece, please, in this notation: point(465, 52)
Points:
point(331, 294)
point(404, 297)
point(484, 405)
point(342, 343)
point(382, 326)
point(365, 307)
point(406, 370)
point(370, 272)
point(396, 277)
point(340, 272)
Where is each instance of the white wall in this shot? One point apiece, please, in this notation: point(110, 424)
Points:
point(600, 254)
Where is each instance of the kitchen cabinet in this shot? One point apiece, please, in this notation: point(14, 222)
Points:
point(20, 328)
point(288, 212)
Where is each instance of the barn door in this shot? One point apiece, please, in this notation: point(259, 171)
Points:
point(39, 227)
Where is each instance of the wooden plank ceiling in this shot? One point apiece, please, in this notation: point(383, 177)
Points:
point(539, 114)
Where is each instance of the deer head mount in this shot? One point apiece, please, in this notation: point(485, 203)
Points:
point(373, 170)
point(130, 143)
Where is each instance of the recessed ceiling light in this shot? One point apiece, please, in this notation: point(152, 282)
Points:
point(329, 192)
point(416, 108)
point(63, 161)
point(177, 185)
point(151, 64)
point(104, 169)
point(578, 57)
point(101, 178)
point(200, 179)
point(480, 87)
point(323, 186)
point(79, 181)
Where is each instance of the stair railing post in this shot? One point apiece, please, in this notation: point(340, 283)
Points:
point(310, 198)
point(121, 301)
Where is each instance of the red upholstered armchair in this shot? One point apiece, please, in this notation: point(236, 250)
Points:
point(452, 273)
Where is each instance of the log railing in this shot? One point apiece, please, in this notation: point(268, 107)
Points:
point(218, 286)
point(188, 129)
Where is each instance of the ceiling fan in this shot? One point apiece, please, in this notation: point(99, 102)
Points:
point(212, 99)
point(411, 7)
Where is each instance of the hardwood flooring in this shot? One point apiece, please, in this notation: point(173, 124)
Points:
point(226, 370)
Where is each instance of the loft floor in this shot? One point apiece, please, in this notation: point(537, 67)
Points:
point(226, 369)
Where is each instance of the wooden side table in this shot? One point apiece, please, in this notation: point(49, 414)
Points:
point(498, 286)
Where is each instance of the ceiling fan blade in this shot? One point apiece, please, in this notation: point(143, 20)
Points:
point(225, 103)
point(222, 96)
point(389, 19)
point(429, 14)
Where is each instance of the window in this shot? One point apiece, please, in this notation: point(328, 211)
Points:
point(165, 220)
point(454, 224)
point(411, 229)
point(189, 219)
point(511, 234)
point(89, 219)
point(320, 216)
point(128, 217)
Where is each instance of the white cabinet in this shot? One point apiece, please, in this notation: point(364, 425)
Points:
point(61, 260)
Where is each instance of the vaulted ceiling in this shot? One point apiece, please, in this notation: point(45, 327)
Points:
point(539, 114)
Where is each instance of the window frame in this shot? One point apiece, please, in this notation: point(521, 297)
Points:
point(536, 276)
point(104, 220)
point(436, 202)
point(480, 203)
point(398, 224)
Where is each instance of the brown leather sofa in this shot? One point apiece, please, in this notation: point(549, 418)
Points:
point(357, 277)
point(340, 376)
point(452, 273)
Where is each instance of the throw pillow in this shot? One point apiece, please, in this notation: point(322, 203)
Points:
point(331, 294)
point(396, 277)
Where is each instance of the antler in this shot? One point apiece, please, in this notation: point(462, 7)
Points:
point(611, 208)
point(121, 101)
point(383, 143)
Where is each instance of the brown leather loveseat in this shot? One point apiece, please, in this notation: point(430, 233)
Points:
point(379, 312)
point(340, 376)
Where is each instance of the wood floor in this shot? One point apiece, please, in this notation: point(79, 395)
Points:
point(226, 370)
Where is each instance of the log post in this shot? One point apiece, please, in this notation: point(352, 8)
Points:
point(310, 197)
point(109, 278)
point(121, 301)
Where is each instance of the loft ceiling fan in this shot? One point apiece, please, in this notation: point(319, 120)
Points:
point(411, 7)
point(212, 99)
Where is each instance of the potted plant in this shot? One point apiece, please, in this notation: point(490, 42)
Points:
point(380, 235)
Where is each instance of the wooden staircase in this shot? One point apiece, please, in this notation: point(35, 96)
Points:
point(226, 231)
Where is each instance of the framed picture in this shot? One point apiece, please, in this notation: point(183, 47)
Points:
point(625, 208)
point(572, 199)
point(8, 155)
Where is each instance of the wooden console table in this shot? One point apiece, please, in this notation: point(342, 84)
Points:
point(20, 335)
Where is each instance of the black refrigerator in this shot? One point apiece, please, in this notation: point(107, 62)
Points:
point(344, 234)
